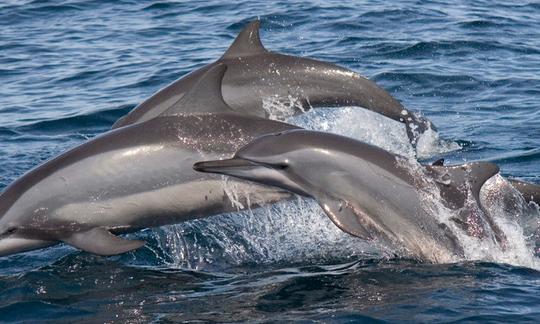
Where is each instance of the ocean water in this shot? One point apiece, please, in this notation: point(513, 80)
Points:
point(70, 69)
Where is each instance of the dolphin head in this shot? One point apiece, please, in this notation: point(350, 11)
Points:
point(15, 237)
point(288, 160)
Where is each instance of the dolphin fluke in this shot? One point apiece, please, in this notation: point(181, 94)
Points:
point(102, 242)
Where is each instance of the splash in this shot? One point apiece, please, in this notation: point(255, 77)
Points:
point(375, 129)
point(299, 231)
point(430, 144)
point(279, 108)
point(518, 221)
point(287, 232)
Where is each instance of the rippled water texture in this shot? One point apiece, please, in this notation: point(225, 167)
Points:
point(70, 69)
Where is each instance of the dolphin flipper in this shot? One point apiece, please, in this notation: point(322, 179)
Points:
point(102, 242)
point(348, 218)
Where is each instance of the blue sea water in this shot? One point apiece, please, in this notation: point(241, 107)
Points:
point(70, 69)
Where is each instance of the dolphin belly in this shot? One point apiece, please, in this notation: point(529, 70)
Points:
point(169, 205)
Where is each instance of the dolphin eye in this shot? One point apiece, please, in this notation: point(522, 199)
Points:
point(281, 166)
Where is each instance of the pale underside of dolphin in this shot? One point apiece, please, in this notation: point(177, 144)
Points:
point(134, 177)
point(369, 192)
point(255, 75)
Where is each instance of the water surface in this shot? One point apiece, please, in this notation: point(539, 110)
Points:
point(70, 69)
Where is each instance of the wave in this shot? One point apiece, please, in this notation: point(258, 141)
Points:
point(520, 156)
point(423, 49)
point(97, 121)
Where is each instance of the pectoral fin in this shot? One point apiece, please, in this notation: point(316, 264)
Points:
point(345, 216)
point(102, 242)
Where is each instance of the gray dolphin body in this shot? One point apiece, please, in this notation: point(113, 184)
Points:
point(369, 192)
point(131, 178)
point(255, 74)
point(530, 191)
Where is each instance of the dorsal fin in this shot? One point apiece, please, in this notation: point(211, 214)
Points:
point(452, 179)
point(204, 97)
point(453, 182)
point(248, 42)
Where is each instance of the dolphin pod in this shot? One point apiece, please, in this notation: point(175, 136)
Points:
point(134, 177)
point(87, 195)
point(255, 75)
point(369, 192)
point(142, 173)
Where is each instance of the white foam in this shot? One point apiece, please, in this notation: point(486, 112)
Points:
point(375, 129)
point(429, 144)
point(281, 109)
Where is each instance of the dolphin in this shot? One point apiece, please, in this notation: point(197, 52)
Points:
point(369, 192)
point(257, 77)
point(530, 191)
point(134, 177)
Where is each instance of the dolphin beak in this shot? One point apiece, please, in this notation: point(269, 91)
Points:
point(222, 166)
point(248, 170)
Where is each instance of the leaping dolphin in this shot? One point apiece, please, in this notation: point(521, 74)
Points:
point(134, 177)
point(255, 75)
point(369, 192)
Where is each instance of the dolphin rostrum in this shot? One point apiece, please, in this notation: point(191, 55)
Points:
point(369, 192)
point(256, 78)
point(134, 177)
